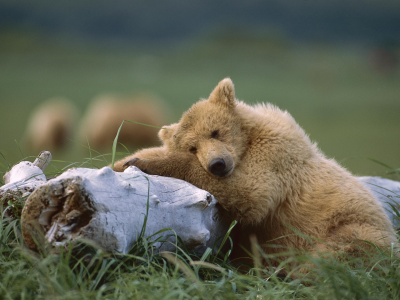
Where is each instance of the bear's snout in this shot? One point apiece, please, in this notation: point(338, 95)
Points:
point(218, 167)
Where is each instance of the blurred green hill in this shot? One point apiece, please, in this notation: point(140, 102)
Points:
point(334, 91)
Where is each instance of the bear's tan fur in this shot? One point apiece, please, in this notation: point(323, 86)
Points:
point(269, 176)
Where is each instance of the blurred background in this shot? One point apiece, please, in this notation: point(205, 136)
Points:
point(73, 70)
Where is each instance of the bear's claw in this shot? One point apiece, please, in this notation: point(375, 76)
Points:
point(130, 162)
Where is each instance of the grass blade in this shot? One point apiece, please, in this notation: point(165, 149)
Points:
point(233, 224)
point(9, 167)
point(19, 148)
point(114, 147)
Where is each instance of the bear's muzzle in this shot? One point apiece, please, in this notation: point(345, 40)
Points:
point(218, 167)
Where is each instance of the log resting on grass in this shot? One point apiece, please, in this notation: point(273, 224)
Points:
point(387, 192)
point(109, 208)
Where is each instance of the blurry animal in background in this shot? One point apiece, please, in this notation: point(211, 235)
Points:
point(50, 125)
point(384, 58)
point(105, 114)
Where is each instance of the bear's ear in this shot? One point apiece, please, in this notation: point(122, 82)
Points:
point(224, 93)
point(167, 131)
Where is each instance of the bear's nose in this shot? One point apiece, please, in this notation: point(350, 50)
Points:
point(217, 167)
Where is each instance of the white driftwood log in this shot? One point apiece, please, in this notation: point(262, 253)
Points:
point(109, 208)
point(387, 192)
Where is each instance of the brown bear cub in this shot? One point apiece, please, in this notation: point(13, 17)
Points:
point(264, 170)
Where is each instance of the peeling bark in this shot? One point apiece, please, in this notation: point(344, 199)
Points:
point(26, 176)
point(21, 181)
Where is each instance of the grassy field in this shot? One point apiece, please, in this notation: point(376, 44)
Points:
point(350, 110)
point(332, 91)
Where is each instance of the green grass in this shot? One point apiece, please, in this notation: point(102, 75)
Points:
point(82, 271)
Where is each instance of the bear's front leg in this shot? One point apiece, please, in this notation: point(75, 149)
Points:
point(147, 153)
point(177, 165)
point(159, 161)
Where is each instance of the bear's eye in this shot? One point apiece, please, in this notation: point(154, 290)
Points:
point(215, 134)
point(193, 150)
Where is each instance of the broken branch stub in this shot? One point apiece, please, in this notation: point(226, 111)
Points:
point(110, 208)
point(43, 160)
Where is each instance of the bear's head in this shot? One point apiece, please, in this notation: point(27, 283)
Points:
point(212, 130)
